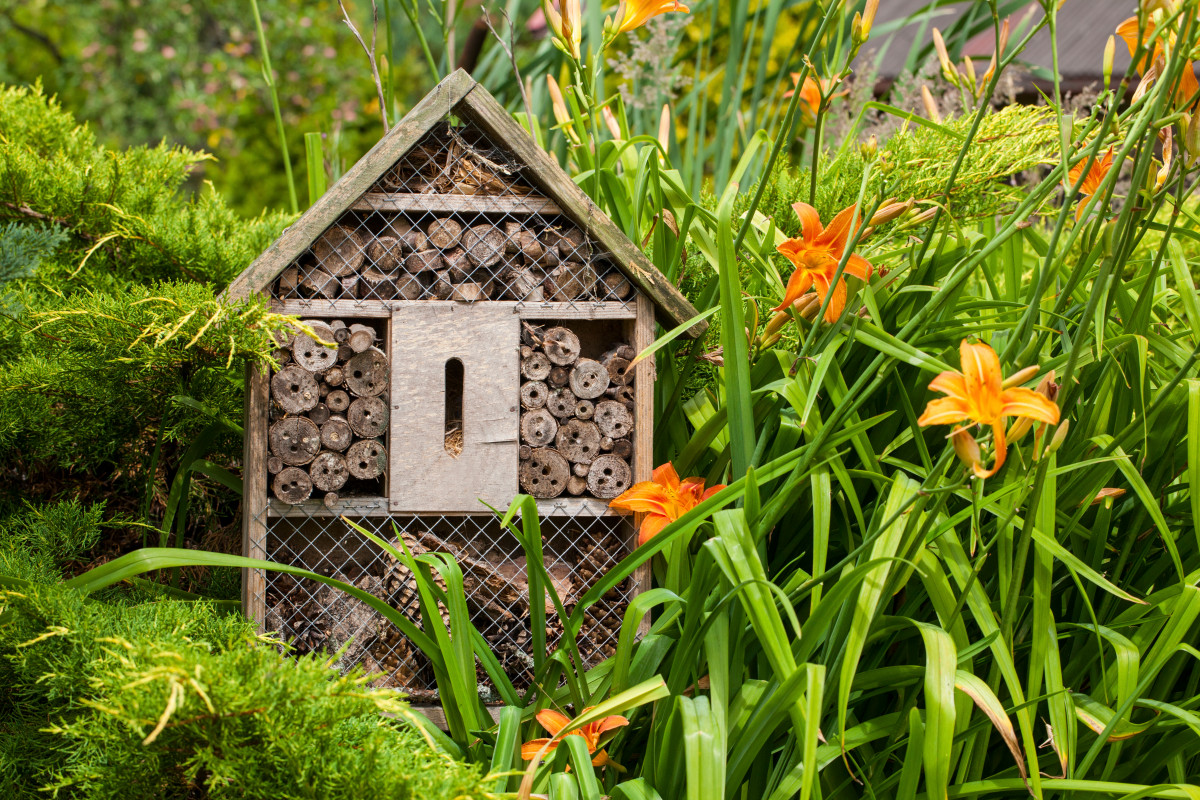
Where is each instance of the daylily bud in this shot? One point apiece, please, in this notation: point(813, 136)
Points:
point(610, 122)
point(807, 306)
point(948, 69)
point(1110, 50)
point(1168, 149)
point(967, 449)
point(768, 341)
point(776, 323)
point(567, 27)
point(969, 69)
point(1060, 436)
point(868, 18)
point(1191, 136)
point(1020, 376)
point(920, 219)
point(891, 211)
point(1002, 45)
point(931, 109)
point(856, 32)
point(869, 148)
point(664, 129)
point(1106, 496)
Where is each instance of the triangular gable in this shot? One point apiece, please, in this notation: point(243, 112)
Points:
point(516, 177)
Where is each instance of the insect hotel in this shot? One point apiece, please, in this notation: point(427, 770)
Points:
point(469, 320)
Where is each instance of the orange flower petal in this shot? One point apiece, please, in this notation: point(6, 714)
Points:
point(647, 497)
point(838, 231)
point(944, 411)
point(1128, 30)
point(800, 282)
point(981, 368)
point(859, 267)
point(1022, 402)
point(665, 475)
point(553, 721)
point(600, 759)
point(810, 221)
point(710, 491)
point(837, 303)
point(651, 525)
point(1001, 447)
point(530, 749)
point(951, 383)
point(609, 724)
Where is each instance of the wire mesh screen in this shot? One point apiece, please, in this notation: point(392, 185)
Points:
point(454, 219)
point(314, 617)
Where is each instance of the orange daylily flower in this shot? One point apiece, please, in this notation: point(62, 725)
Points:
point(816, 254)
point(1157, 56)
point(810, 96)
point(978, 395)
point(1091, 182)
point(664, 498)
point(633, 14)
point(553, 721)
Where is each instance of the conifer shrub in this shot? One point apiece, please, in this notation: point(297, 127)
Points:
point(171, 699)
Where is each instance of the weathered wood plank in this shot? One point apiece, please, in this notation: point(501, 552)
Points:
point(312, 223)
point(254, 491)
point(643, 431)
point(582, 507)
point(456, 203)
point(351, 506)
point(349, 309)
point(674, 309)
point(484, 337)
point(336, 309)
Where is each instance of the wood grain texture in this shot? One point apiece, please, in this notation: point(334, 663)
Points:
point(254, 491)
point(341, 309)
point(351, 506)
point(485, 338)
point(361, 177)
point(456, 203)
point(642, 330)
point(674, 309)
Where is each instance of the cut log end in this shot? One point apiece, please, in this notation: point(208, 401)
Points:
point(366, 459)
point(561, 346)
point(608, 477)
point(545, 474)
point(538, 428)
point(292, 485)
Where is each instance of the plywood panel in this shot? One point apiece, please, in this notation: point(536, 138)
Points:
point(485, 338)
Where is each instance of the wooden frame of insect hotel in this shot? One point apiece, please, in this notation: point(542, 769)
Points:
point(469, 321)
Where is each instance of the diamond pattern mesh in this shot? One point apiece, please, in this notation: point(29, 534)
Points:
point(578, 551)
point(454, 219)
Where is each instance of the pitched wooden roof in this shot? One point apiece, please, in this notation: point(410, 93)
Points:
point(460, 95)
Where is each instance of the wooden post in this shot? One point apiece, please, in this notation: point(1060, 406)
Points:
point(640, 331)
point(254, 491)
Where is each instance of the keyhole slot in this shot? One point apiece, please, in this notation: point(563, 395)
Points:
point(454, 407)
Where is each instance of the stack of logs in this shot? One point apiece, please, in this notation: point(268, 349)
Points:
point(577, 417)
point(445, 259)
point(329, 411)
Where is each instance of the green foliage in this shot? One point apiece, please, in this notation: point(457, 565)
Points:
point(124, 209)
point(191, 74)
point(106, 336)
point(22, 249)
point(98, 370)
point(913, 163)
point(167, 699)
point(37, 540)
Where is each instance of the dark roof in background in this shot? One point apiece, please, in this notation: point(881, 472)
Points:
point(1083, 29)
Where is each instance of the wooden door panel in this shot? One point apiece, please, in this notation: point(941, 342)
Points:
point(485, 339)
